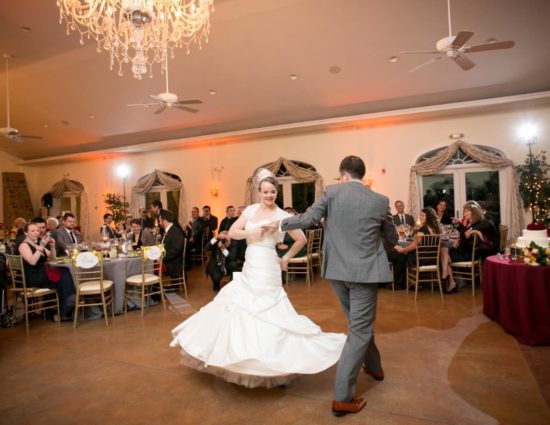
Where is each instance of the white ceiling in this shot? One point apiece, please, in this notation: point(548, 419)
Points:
point(254, 46)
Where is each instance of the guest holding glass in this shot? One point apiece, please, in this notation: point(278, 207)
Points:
point(35, 253)
point(140, 237)
point(473, 223)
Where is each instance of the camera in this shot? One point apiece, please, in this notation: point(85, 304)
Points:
point(222, 241)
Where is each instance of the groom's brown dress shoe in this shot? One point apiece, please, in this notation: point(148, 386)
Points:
point(341, 408)
point(379, 376)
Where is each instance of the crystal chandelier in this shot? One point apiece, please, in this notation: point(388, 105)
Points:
point(140, 32)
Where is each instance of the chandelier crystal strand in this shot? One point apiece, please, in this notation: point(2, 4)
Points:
point(138, 32)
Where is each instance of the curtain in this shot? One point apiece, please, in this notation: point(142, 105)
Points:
point(512, 210)
point(66, 185)
point(144, 185)
point(302, 175)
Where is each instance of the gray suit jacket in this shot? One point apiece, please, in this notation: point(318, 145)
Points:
point(62, 239)
point(356, 222)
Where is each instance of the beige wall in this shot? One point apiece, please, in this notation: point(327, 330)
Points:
point(391, 147)
point(7, 164)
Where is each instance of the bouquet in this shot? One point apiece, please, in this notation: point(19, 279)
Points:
point(536, 255)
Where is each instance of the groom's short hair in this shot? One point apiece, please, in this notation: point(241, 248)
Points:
point(354, 166)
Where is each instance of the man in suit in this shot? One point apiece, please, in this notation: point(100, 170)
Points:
point(209, 220)
point(229, 219)
point(66, 235)
point(357, 220)
point(145, 221)
point(401, 217)
point(106, 228)
point(173, 244)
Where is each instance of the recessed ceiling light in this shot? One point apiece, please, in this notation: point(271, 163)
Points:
point(91, 116)
point(65, 122)
point(293, 76)
point(393, 59)
point(45, 125)
point(25, 29)
point(490, 40)
point(212, 92)
point(335, 69)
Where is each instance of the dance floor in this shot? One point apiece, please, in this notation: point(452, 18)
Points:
point(445, 363)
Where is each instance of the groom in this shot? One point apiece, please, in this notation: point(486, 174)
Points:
point(354, 260)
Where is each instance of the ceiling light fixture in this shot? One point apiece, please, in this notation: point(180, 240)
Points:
point(393, 59)
point(25, 29)
point(139, 32)
point(212, 92)
point(456, 136)
point(293, 77)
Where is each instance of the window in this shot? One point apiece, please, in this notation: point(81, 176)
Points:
point(293, 193)
point(461, 180)
point(170, 198)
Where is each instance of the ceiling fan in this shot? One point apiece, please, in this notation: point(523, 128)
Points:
point(454, 47)
point(168, 100)
point(8, 131)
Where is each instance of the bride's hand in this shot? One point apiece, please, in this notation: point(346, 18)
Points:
point(255, 234)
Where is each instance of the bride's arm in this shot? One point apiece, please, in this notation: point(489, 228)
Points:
point(236, 230)
point(299, 242)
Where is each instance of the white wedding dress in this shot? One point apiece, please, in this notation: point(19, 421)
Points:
point(250, 334)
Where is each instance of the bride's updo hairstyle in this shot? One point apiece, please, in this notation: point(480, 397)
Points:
point(264, 175)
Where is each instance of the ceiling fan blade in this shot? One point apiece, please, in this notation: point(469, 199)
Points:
point(463, 62)
point(155, 97)
point(145, 105)
point(188, 102)
point(461, 38)
point(30, 137)
point(413, 52)
point(185, 108)
point(161, 109)
point(490, 46)
point(417, 67)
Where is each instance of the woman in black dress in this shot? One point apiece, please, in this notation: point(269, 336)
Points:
point(35, 251)
point(428, 226)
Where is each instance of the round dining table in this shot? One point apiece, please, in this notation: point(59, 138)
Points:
point(116, 269)
point(517, 296)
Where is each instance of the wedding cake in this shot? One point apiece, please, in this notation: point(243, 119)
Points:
point(540, 237)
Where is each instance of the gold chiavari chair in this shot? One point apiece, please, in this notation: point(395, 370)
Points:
point(179, 282)
point(469, 270)
point(426, 269)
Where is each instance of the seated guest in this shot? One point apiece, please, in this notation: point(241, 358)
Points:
point(193, 233)
point(173, 244)
point(428, 226)
point(140, 237)
point(106, 229)
point(401, 217)
point(229, 219)
point(209, 221)
point(52, 224)
point(125, 227)
point(145, 221)
point(18, 232)
point(223, 261)
point(240, 210)
point(473, 223)
point(66, 235)
point(288, 241)
point(35, 253)
point(441, 212)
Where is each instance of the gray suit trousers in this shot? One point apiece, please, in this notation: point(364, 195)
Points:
point(358, 301)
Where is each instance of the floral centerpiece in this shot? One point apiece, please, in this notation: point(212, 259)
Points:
point(536, 255)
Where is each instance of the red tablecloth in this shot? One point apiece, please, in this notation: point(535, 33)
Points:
point(518, 297)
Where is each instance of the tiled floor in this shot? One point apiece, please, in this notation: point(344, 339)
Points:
point(445, 363)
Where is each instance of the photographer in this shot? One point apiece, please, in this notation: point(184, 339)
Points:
point(223, 260)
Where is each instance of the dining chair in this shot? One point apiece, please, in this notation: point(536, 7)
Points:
point(35, 300)
point(177, 282)
point(149, 282)
point(469, 270)
point(426, 268)
point(303, 266)
point(92, 289)
point(316, 249)
point(199, 253)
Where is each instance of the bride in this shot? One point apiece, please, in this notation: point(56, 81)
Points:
point(250, 334)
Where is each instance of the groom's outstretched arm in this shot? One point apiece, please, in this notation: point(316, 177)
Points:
point(311, 217)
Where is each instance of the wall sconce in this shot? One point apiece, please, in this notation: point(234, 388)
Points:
point(214, 191)
point(368, 182)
